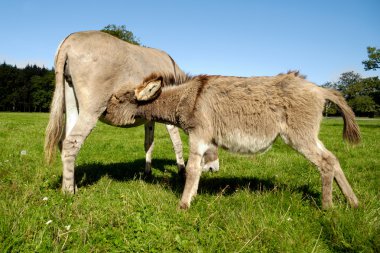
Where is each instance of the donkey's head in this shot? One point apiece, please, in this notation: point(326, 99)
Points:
point(150, 88)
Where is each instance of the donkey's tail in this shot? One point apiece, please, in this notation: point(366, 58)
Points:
point(55, 127)
point(351, 132)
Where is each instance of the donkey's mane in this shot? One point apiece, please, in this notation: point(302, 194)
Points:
point(168, 79)
point(295, 73)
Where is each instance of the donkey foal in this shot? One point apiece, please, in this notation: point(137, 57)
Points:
point(242, 115)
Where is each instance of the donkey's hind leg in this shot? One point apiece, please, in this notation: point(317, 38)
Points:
point(345, 187)
point(328, 165)
point(339, 176)
point(71, 146)
point(71, 107)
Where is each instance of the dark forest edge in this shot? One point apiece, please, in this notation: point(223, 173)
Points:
point(28, 89)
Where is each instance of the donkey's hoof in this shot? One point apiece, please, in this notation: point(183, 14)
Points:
point(181, 168)
point(182, 172)
point(327, 205)
point(183, 206)
point(69, 189)
point(148, 169)
point(355, 205)
point(354, 202)
point(148, 173)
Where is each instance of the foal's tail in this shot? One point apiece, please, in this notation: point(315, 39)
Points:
point(351, 132)
point(55, 128)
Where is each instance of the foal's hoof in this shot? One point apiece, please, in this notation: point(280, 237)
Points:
point(354, 202)
point(183, 206)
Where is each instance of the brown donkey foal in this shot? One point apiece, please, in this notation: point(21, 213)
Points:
point(242, 115)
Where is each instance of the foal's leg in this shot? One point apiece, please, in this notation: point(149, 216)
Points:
point(193, 170)
point(324, 161)
point(71, 146)
point(177, 145)
point(329, 167)
point(149, 145)
point(344, 186)
point(339, 176)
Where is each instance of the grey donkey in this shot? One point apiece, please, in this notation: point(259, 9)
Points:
point(89, 68)
point(242, 115)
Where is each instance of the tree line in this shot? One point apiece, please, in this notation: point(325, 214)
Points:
point(30, 89)
point(362, 94)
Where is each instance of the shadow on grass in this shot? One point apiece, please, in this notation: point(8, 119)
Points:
point(88, 174)
point(228, 186)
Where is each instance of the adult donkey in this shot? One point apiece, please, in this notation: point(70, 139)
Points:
point(90, 67)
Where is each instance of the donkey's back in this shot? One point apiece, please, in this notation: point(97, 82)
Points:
point(247, 114)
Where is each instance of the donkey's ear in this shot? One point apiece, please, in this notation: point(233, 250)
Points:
point(148, 91)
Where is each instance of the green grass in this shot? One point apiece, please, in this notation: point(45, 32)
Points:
point(262, 203)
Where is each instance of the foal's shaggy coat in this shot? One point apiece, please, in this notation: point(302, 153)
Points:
point(242, 115)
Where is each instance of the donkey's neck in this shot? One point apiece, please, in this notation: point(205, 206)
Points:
point(161, 109)
point(175, 105)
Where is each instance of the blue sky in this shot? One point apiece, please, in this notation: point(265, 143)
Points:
point(321, 38)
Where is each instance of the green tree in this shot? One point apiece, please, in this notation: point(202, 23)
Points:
point(8, 75)
point(362, 94)
point(42, 91)
point(373, 61)
point(26, 89)
point(365, 87)
point(121, 32)
point(347, 79)
point(364, 106)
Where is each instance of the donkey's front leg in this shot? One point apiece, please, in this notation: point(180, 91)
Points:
point(193, 170)
point(149, 145)
point(177, 146)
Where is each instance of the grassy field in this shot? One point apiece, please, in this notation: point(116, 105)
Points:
point(263, 203)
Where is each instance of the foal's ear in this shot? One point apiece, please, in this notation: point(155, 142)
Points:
point(149, 90)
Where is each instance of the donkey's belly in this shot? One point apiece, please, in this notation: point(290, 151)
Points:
point(241, 142)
